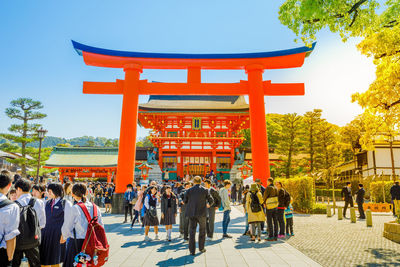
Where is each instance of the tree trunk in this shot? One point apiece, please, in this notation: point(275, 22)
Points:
point(23, 147)
point(392, 158)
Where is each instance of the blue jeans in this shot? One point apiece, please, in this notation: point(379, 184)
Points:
point(225, 221)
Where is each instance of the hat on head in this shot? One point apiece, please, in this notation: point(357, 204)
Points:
point(254, 188)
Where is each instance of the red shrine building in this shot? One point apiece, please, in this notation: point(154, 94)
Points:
point(195, 134)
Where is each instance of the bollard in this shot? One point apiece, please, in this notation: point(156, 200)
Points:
point(340, 213)
point(328, 211)
point(368, 215)
point(353, 217)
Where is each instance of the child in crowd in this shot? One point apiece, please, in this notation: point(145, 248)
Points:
point(289, 219)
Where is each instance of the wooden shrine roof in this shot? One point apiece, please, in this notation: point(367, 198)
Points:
point(195, 103)
point(89, 156)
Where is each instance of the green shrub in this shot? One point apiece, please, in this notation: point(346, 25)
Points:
point(319, 208)
point(376, 191)
point(302, 192)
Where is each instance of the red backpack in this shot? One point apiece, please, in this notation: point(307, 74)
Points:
point(95, 244)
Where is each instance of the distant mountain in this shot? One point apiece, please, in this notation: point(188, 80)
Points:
point(51, 141)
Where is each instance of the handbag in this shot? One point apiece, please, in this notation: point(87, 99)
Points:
point(272, 203)
point(151, 212)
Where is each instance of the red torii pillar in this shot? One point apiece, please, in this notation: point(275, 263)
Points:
point(132, 87)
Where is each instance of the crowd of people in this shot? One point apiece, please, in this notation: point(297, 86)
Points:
point(45, 224)
point(196, 201)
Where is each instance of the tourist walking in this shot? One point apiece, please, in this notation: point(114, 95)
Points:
point(226, 207)
point(197, 200)
point(138, 205)
point(150, 217)
point(51, 251)
point(211, 210)
point(234, 194)
point(395, 194)
point(360, 201)
point(75, 223)
point(32, 214)
point(129, 197)
point(283, 202)
point(255, 211)
point(183, 220)
point(262, 189)
point(347, 197)
point(271, 205)
point(108, 193)
point(9, 222)
point(168, 210)
point(98, 194)
point(245, 192)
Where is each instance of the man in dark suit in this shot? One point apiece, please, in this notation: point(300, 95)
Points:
point(395, 193)
point(360, 200)
point(183, 220)
point(197, 200)
point(347, 197)
point(211, 210)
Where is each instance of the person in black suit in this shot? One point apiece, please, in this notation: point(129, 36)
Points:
point(395, 193)
point(211, 211)
point(347, 197)
point(360, 200)
point(197, 200)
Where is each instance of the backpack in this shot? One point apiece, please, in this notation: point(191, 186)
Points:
point(255, 203)
point(29, 228)
point(95, 244)
point(217, 199)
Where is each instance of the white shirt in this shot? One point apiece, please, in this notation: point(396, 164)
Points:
point(9, 222)
point(74, 218)
point(39, 207)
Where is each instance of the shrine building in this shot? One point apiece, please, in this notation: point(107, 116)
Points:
point(195, 134)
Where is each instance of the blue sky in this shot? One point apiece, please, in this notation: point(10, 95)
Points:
point(38, 61)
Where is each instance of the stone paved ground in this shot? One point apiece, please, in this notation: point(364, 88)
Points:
point(128, 248)
point(341, 243)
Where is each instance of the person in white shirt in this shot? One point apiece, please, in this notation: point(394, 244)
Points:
point(23, 186)
point(75, 223)
point(9, 222)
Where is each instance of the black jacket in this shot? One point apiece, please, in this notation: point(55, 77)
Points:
point(346, 193)
point(196, 199)
point(282, 198)
point(164, 203)
point(360, 195)
point(216, 198)
point(395, 192)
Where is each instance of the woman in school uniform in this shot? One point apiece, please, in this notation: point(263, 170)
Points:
point(75, 223)
point(150, 217)
point(168, 211)
point(51, 251)
point(68, 192)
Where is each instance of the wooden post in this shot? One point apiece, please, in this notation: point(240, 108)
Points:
point(368, 215)
point(340, 213)
point(258, 126)
point(353, 217)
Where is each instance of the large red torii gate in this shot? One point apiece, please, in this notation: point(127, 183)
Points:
point(134, 62)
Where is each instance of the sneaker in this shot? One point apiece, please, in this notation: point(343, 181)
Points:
point(156, 238)
point(281, 236)
point(124, 221)
point(169, 239)
point(291, 234)
point(203, 250)
point(226, 236)
point(147, 238)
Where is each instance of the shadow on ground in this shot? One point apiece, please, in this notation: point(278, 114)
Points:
point(388, 257)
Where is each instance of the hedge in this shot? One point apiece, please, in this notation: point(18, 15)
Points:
point(377, 192)
point(327, 192)
point(319, 208)
point(301, 191)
